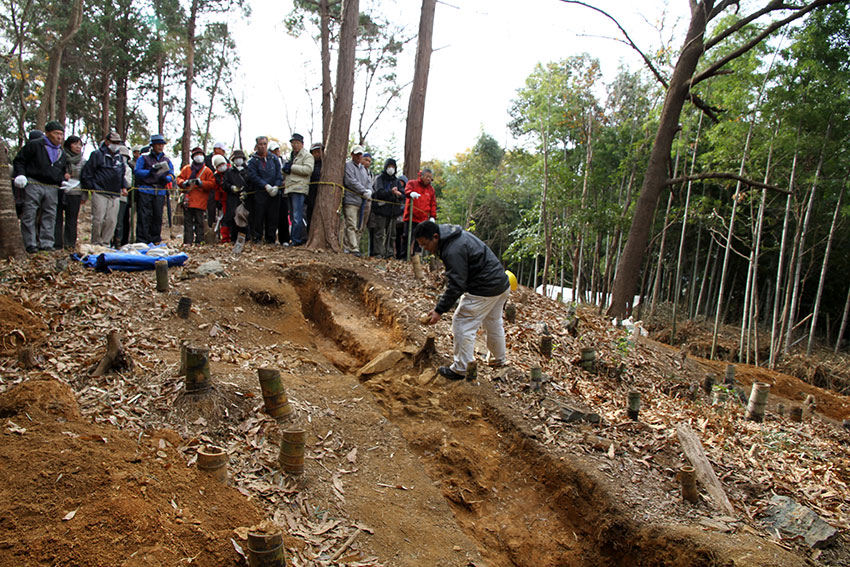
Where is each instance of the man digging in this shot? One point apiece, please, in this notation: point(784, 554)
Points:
point(475, 275)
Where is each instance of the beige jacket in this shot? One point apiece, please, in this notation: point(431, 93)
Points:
point(298, 180)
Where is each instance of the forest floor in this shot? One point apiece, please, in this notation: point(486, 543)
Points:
point(402, 467)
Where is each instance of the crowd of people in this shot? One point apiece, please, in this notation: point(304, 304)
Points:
point(267, 197)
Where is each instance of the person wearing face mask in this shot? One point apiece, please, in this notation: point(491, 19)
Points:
point(103, 174)
point(219, 149)
point(298, 170)
point(195, 181)
point(389, 189)
point(233, 184)
point(71, 196)
point(154, 173)
point(38, 169)
point(220, 166)
point(264, 177)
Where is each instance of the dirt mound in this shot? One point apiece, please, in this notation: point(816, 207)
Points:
point(47, 396)
point(106, 497)
point(19, 325)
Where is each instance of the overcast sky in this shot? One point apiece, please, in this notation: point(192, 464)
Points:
point(484, 50)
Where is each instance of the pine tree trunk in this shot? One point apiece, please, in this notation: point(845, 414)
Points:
point(11, 241)
point(416, 106)
point(186, 140)
point(47, 108)
point(327, 87)
point(324, 230)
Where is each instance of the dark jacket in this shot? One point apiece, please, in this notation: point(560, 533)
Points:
point(103, 172)
point(263, 171)
point(233, 177)
point(152, 181)
point(33, 162)
point(383, 191)
point(471, 267)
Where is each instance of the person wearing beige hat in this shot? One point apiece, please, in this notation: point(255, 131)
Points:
point(357, 188)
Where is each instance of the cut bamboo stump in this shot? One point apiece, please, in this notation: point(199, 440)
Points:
point(688, 480)
point(197, 370)
point(546, 345)
point(416, 260)
point(704, 472)
point(758, 401)
point(633, 405)
point(213, 461)
point(116, 358)
point(588, 359)
point(510, 313)
point(708, 383)
point(730, 374)
point(161, 269)
point(265, 548)
point(292, 445)
point(796, 414)
point(274, 395)
point(27, 359)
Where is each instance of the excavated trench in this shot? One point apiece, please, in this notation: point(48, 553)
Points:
point(524, 507)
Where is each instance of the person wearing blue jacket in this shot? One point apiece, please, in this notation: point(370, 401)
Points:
point(154, 174)
point(264, 179)
point(103, 174)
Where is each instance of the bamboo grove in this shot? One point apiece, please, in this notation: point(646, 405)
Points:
point(769, 259)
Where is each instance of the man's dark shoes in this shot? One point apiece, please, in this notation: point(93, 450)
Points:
point(450, 374)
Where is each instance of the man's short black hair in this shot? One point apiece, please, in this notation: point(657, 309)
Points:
point(426, 230)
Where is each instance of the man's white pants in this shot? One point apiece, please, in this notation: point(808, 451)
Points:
point(471, 312)
point(104, 217)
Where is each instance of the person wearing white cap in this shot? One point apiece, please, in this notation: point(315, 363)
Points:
point(357, 188)
point(219, 149)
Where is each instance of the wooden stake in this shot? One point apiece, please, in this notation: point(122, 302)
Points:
point(704, 472)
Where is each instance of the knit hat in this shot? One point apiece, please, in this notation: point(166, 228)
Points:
point(36, 134)
point(157, 139)
point(53, 125)
point(218, 160)
point(197, 150)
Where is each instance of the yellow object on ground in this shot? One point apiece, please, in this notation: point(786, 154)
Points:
point(512, 279)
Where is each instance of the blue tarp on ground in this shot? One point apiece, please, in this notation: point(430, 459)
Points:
point(130, 262)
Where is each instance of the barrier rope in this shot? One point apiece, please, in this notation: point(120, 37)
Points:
point(171, 190)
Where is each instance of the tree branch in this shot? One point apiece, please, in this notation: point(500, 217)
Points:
point(646, 59)
point(722, 175)
point(801, 11)
point(709, 110)
point(771, 6)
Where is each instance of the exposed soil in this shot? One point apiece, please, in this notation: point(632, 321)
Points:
point(403, 467)
point(19, 326)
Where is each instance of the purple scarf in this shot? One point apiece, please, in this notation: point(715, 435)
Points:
point(53, 151)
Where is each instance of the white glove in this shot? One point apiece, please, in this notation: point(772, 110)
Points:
point(70, 184)
point(432, 219)
point(21, 181)
point(272, 191)
point(160, 165)
point(236, 189)
point(368, 196)
point(414, 195)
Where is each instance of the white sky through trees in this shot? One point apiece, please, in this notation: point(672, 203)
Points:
point(484, 50)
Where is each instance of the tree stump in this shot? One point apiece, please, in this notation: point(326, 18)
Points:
point(115, 359)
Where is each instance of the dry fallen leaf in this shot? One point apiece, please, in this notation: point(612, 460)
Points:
point(352, 455)
point(70, 515)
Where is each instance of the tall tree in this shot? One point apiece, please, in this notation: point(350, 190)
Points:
point(416, 105)
point(681, 88)
point(324, 231)
point(47, 109)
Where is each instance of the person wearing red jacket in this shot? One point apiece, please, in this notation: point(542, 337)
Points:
point(195, 181)
point(420, 193)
